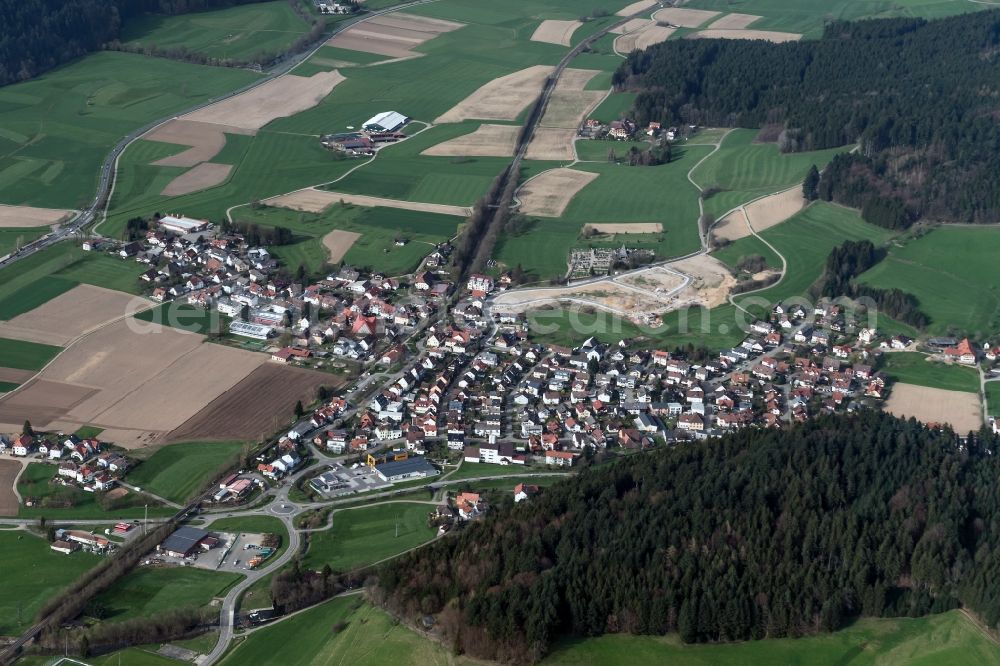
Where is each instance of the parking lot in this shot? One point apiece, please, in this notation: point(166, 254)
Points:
point(339, 481)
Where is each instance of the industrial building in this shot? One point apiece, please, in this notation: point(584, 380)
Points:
point(411, 468)
point(248, 330)
point(387, 121)
point(186, 541)
point(183, 225)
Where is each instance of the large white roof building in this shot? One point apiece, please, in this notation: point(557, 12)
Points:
point(387, 121)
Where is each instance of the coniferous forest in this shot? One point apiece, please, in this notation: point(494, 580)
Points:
point(919, 97)
point(760, 534)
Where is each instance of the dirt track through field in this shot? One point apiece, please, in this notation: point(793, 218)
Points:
point(549, 193)
point(684, 18)
point(256, 406)
point(959, 409)
point(486, 141)
point(71, 314)
point(28, 216)
point(394, 35)
point(9, 471)
point(500, 99)
point(201, 177)
point(733, 22)
point(338, 242)
point(551, 31)
point(766, 35)
point(316, 201)
point(205, 139)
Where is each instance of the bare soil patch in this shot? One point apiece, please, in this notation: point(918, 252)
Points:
point(684, 18)
point(9, 471)
point(205, 139)
point(636, 7)
point(284, 96)
point(568, 109)
point(959, 409)
point(552, 31)
point(256, 406)
point(775, 209)
point(42, 402)
point(624, 228)
point(643, 38)
point(338, 242)
point(316, 201)
point(201, 177)
point(766, 35)
point(500, 99)
point(549, 143)
point(15, 375)
point(733, 22)
point(394, 35)
point(486, 141)
point(606, 295)
point(28, 216)
point(71, 314)
point(631, 26)
point(710, 283)
point(549, 193)
point(732, 227)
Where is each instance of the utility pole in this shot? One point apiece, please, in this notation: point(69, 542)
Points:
point(145, 518)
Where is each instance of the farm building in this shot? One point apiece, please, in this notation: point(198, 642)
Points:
point(247, 330)
point(410, 468)
point(183, 225)
point(187, 540)
point(387, 121)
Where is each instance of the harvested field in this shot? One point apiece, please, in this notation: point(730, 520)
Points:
point(642, 38)
point(15, 376)
point(733, 22)
point(71, 314)
point(775, 209)
point(766, 35)
point(26, 216)
point(486, 141)
point(732, 227)
point(552, 31)
point(568, 109)
point(256, 406)
point(637, 7)
point(395, 35)
point(684, 18)
point(205, 139)
point(316, 201)
point(9, 471)
point(961, 410)
point(548, 193)
point(201, 177)
point(338, 242)
point(131, 376)
point(550, 143)
point(278, 98)
point(573, 79)
point(500, 99)
point(631, 26)
point(624, 228)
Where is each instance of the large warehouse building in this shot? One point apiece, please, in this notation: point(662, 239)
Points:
point(387, 121)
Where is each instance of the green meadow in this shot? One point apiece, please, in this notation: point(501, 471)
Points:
point(914, 368)
point(14, 238)
point(749, 246)
point(360, 537)
point(56, 129)
point(957, 296)
point(24, 355)
point(993, 399)
point(177, 472)
point(148, 591)
point(238, 32)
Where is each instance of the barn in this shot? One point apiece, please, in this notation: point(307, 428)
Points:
point(387, 121)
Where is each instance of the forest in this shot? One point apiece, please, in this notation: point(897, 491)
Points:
point(759, 534)
point(918, 97)
point(37, 35)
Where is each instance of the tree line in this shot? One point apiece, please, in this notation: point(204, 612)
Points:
point(922, 115)
point(759, 534)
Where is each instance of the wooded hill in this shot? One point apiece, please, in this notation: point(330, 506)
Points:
point(760, 534)
point(919, 97)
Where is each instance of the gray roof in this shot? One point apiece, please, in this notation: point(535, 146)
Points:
point(184, 540)
point(408, 466)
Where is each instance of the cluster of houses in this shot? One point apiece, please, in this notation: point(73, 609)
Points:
point(81, 461)
point(69, 541)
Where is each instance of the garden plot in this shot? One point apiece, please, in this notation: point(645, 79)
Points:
point(733, 22)
point(487, 141)
point(316, 201)
point(551, 31)
point(201, 177)
point(959, 409)
point(549, 193)
point(684, 18)
point(766, 35)
point(500, 99)
point(27, 216)
point(71, 314)
point(338, 242)
point(394, 35)
point(205, 140)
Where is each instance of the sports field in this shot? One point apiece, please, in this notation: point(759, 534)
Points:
point(239, 33)
point(148, 591)
point(363, 536)
point(178, 471)
point(56, 129)
point(41, 574)
point(914, 368)
point(963, 295)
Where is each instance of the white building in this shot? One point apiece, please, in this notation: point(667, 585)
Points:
point(387, 121)
point(183, 225)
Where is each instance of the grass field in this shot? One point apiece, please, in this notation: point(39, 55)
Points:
point(597, 150)
point(25, 355)
point(745, 170)
point(957, 297)
point(35, 482)
point(473, 470)
point(14, 238)
point(179, 471)
point(914, 368)
point(360, 537)
point(237, 32)
point(747, 247)
point(147, 591)
point(993, 398)
point(615, 107)
point(186, 317)
point(58, 127)
point(40, 573)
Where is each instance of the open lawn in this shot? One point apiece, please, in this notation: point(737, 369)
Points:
point(957, 296)
point(179, 471)
point(186, 317)
point(993, 398)
point(360, 537)
point(914, 368)
point(148, 591)
point(12, 238)
point(747, 247)
point(25, 355)
point(58, 127)
point(237, 32)
point(39, 574)
point(69, 502)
